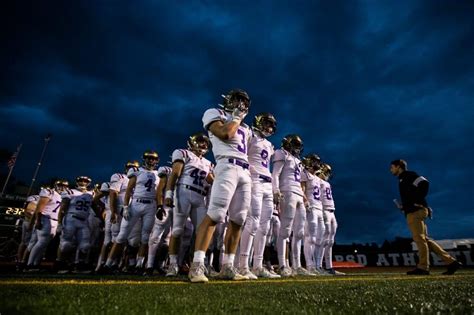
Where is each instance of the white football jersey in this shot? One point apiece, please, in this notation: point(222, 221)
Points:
point(105, 188)
point(80, 202)
point(195, 168)
point(260, 152)
point(119, 183)
point(147, 182)
point(237, 147)
point(33, 198)
point(326, 196)
point(52, 207)
point(290, 176)
point(313, 189)
point(164, 171)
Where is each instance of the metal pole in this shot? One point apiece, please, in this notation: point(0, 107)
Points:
point(46, 141)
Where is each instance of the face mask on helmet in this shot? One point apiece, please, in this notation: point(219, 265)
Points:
point(199, 143)
point(82, 182)
point(293, 144)
point(312, 163)
point(265, 123)
point(236, 99)
point(150, 159)
point(61, 185)
point(326, 171)
point(131, 164)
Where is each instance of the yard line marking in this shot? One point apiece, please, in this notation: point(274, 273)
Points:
point(183, 282)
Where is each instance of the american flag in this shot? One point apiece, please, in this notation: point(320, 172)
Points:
point(12, 160)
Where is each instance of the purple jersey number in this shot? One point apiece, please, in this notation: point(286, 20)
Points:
point(242, 149)
point(297, 174)
point(328, 193)
point(199, 176)
point(264, 155)
point(316, 193)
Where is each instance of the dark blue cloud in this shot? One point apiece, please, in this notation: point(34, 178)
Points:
point(362, 82)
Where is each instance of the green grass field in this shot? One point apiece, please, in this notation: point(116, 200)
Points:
point(372, 292)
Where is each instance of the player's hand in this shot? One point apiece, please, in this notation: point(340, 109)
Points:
point(277, 198)
point(125, 213)
point(238, 114)
point(113, 218)
point(160, 212)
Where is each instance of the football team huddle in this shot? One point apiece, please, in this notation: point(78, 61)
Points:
point(220, 220)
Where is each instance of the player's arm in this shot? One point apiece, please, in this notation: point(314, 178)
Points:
point(63, 209)
point(113, 203)
point(176, 172)
point(129, 192)
point(277, 169)
point(224, 131)
point(210, 178)
point(36, 220)
point(128, 195)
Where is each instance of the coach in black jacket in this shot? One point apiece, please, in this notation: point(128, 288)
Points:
point(413, 191)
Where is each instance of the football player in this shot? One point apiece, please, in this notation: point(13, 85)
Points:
point(330, 222)
point(142, 184)
point(114, 194)
point(257, 224)
point(185, 191)
point(30, 208)
point(286, 176)
point(73, 217)
point(45, 221)
point(163, 220)
point(314, 228)
point(231, 189)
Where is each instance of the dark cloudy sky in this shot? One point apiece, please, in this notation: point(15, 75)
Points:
point(362, 82)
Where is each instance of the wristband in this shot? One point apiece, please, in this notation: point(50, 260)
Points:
point(169, 194)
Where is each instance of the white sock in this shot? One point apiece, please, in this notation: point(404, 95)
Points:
point(199, 256)
point(173, 259)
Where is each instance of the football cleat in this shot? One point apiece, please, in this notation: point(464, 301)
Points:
point(247, 273)
point(196, 273)
point(264, 273)
point(286, 272)
point(300, 271)
point(172, 270)
point(452, 268)
point(334, 272)
point(229, 272)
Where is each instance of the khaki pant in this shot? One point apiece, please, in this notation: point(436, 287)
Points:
point(417, 226)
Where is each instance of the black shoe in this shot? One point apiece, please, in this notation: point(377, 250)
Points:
point(452, 268)
point(418, 272)
point(148, 272)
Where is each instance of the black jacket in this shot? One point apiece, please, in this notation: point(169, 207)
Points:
point(413, 190)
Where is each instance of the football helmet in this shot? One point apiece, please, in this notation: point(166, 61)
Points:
point(293, 144)
point(236, 98)
point(199, 143)
point(311, 162)
point(60, 185)
point(131, 164)
point(265, 123)
point(150, 159)
point(82, 182)
point(325, 171)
